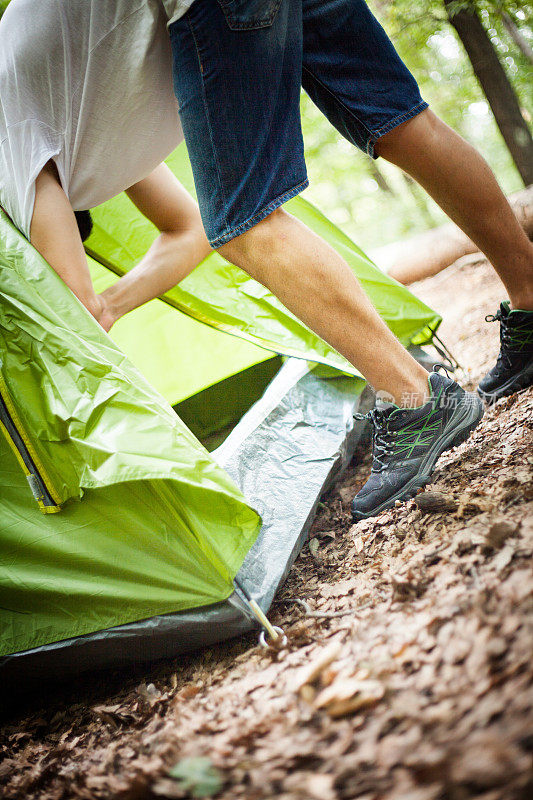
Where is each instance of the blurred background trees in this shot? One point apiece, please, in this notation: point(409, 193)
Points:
point(375, 202)
point(473, 60)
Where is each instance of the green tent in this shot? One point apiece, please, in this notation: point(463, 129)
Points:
point(144, 532)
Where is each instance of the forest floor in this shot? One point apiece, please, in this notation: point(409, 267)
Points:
point(421, 690)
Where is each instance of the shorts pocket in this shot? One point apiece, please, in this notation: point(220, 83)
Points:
point(249, 14)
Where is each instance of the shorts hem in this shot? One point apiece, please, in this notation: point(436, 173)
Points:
point(389, 126)
point(265, 211)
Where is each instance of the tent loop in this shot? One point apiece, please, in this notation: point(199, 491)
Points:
point(275, 644)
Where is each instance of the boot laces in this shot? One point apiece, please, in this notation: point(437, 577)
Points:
point(506, 340)
point(382, 441)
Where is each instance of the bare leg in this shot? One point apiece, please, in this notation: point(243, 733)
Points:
point(317, 285)
point(462, 183)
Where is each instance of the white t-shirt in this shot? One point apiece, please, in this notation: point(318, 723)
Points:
point(87, 83)
point(176, 8)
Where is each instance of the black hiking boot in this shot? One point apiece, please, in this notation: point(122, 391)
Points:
point(514, 368)
point(408, 441)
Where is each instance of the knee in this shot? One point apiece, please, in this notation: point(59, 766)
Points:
point(418, 132)
point(263, 239)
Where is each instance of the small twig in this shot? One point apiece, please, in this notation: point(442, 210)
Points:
point(329, 614)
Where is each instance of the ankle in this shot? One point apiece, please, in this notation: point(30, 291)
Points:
point(407, 395)
point(522, 301)
point(414, 397)
point(417, 391)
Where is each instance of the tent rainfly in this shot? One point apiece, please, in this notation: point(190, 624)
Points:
point(122, 538)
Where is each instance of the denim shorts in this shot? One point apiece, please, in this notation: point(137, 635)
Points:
point(238, 66)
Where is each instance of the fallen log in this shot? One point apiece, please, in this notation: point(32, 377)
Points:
point(432, 251)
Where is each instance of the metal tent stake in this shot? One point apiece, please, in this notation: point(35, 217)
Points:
point(276, 636)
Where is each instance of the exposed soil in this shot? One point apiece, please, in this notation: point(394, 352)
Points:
point(422, 688)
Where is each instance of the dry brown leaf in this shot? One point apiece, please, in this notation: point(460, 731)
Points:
point(499, 531)
point(435, 502)
point(347, 695)
point(311, 672)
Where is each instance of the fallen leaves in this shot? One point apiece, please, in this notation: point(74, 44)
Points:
point(348, 695)
point(435, 502)
point(421, 690)
point(499, 531)
point(312, 672)
point(328, 685)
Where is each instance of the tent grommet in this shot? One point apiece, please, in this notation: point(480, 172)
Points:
point(273, 644)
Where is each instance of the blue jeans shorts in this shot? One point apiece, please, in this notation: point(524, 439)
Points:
point(238, 66)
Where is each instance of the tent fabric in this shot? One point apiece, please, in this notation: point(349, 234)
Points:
point(156, 335)
point(92, 418)
point(149, 523)
point(123, 554)
point(224, 297)
point(92, 422)
point(284, 453)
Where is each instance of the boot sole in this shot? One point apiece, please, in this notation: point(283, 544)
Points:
point(465, 419)
point(522, 380)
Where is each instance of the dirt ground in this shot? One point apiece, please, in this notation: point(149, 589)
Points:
point(408, 674)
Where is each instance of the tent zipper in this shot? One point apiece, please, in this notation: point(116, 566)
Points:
point(38, 487)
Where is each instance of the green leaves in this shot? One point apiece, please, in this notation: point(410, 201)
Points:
point(349, 189)
point(197, 776)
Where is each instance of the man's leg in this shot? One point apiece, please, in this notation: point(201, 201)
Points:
point(242, 127)
point(316, 284)
point(354, 75)
point(462, 183)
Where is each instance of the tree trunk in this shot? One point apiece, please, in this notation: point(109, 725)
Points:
point(432, 251)
point(497, 88)
point(518, 38)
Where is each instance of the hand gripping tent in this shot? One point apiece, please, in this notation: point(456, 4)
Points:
point(122, 538)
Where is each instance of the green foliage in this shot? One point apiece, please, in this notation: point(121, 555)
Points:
point(373, 201)
point(413, 23)
point(197, 776)
point(345, 184)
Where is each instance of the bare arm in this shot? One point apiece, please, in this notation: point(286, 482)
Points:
point(54, 233)
point(178, 249)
